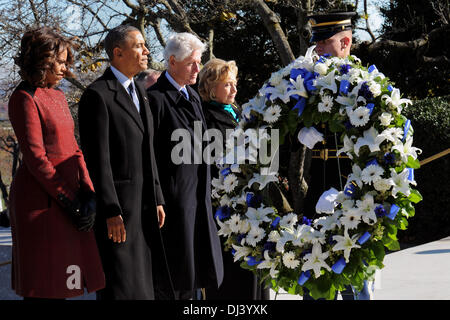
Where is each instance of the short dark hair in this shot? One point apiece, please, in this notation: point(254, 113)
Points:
point(116, 38)
point(39, 49)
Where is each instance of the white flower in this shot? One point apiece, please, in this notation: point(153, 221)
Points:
point(371, 174)
point(401, 182)
point(257, 104)
point(217, 183)
point(276, 77)
point(346, 244)
point(269, 263)
point(321, 68)
point(244, 226)
point(367, 209)
point(356, 175)
point(385, 119)
point(326, 82)
point(274, 236)
point(348, 146)
point(326, 104)
point(289, 260)
point(383, 185)
point(309, 136)
point(255, 235)
point(225, 229)
point(371, 139)
point(407, 149)
point(358, 117)
point(272, 114)
point(256, 216)
point(230, 182)
point(392, 134)
point(347, 101)
point(280, 91)
point(350, 218)
point(288, 220)
point(394, 100)
point(234, 223)
point(299, 87)
point(317, 236)
point(241, 252)
point(327, 223)
point(262, 180)
point(375, 88)
point(316, 260)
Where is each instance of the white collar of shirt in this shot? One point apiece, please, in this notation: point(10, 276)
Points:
point(123, 79)
point(125, 82)
point(175, 84)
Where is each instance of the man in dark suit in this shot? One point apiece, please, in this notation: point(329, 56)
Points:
point(190, 234)
point(116, 131)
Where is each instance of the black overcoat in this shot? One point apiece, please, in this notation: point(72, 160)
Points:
point(117, 142)
point(238, 283)
point(190, 234)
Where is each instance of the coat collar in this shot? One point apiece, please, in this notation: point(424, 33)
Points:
point(173, 93)
point(122, 98)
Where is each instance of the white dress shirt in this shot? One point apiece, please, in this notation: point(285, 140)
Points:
point(125, 82)
point(177, 86)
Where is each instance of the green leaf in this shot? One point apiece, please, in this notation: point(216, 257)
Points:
point(391, 244)
point(413, 163)
point(415, 196)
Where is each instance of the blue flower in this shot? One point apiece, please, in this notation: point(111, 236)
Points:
point(240, 237)
point(308, 79)
point(222, 212)
point(252, 261)
point(306, 221)
point(380, 211)
point(323, 58)
point(389, 158)
point(253, 201)
point(344, 86)
point(275, 222)
point(365, 92)
point(370, 106)
point(390, 88)
point(372, 162)
point(269, 245)
point(225, 172)
point(300, 106)
point(345, 68)
point(348, 125)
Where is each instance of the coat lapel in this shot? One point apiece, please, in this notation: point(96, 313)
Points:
point(122, 98)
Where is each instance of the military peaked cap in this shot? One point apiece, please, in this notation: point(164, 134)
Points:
point(327, 25)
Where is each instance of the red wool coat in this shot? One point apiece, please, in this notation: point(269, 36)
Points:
point(45, 241)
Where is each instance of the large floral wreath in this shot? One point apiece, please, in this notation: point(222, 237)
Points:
point(346, 244)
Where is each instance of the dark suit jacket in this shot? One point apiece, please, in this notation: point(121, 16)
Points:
point(117, 142)
point(190, 233)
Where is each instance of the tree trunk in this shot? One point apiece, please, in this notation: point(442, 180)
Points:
point(272, 24)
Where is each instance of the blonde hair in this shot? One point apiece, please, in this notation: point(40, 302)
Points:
point(214, 71)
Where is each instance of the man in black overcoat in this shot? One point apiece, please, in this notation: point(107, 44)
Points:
point(190, 233)
point(116, 131)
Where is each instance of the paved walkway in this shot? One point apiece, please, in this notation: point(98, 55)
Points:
point(416, 273)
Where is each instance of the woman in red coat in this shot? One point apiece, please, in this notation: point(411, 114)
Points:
point(52, 204)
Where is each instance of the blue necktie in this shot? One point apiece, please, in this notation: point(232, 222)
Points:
point(184, 92)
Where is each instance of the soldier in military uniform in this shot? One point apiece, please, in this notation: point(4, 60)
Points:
point(332, 34)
